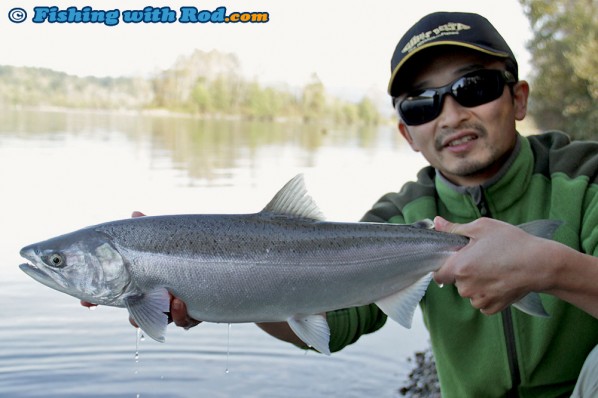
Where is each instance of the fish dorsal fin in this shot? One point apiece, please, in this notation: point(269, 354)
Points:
point(149, 310)
point(400, 306)
point(313, 330)
point(293, 200)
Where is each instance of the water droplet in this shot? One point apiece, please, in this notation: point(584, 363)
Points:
point(226, 371)
point(137, 340)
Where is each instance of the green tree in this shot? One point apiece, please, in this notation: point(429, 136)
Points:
point(314, 99)
point(367, 111)
point(200, 96)
point(222, 96)
point(564, 53)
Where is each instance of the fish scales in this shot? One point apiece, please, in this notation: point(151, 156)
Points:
point(275, 258)
point(252, 236)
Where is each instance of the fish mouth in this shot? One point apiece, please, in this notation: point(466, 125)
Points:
point(41, 273)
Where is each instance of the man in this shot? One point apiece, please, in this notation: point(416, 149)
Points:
point(454, 83)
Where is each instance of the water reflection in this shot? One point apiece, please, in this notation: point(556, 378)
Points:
point(61, 171)
point(205, 149)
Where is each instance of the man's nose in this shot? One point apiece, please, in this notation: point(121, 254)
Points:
point(452, 113)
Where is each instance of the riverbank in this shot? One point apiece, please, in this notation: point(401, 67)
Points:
point(423, 379)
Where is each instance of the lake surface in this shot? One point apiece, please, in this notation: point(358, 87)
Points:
point(61, 171)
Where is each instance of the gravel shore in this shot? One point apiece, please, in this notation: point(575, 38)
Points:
point(423, 379)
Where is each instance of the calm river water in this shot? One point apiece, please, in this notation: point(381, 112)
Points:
point(62, 171)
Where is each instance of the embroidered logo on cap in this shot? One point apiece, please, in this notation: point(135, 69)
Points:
point(451, 28)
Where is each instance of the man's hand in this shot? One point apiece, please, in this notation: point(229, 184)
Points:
point(497, 267)
point(178, 315)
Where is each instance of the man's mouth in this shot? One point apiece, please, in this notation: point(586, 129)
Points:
point(460, 140)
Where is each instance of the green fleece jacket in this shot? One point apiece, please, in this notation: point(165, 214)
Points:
point(507, 354)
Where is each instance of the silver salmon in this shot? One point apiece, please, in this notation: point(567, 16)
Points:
point(284, 263)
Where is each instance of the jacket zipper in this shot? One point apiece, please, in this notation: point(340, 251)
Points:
point(507, 322)
point(507, 316)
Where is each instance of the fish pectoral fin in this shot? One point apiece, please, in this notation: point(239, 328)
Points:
point(531, 305)
point(313, 330)
point(400, 306)
point(149, 310)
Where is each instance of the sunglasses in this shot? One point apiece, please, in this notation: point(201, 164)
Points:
point(473, 89)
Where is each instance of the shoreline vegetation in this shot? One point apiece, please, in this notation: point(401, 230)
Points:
point(202, 84)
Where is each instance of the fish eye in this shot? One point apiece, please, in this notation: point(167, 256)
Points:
point(55, 260)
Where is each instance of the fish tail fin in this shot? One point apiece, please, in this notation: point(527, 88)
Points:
point(531, 305)
point(541, 228)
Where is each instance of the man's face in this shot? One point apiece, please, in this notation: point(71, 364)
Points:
point(468, 145)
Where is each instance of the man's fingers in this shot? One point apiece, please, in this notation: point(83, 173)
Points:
point(440, 224)
point(443, 278)
point(178, 311)
point(446, 274)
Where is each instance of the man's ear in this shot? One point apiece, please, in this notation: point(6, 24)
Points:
point(520, 96)
point(404, 130)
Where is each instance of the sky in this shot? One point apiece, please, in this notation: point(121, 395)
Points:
point(347, 43)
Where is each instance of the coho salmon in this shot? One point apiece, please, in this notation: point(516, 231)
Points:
point(284, 263)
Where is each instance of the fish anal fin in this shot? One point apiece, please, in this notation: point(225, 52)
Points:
point(148, 310)
point(293, 200)
point(313, 330)
point(400, 306)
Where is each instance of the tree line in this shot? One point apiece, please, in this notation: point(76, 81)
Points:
point(564, 51)
point(202, 83)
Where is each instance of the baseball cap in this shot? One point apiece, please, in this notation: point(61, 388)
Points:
point(447, 28)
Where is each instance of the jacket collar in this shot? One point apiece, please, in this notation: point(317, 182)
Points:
point(499, 193)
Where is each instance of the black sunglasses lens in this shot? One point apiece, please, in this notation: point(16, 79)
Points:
point(477, 89)
point(420, 108)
